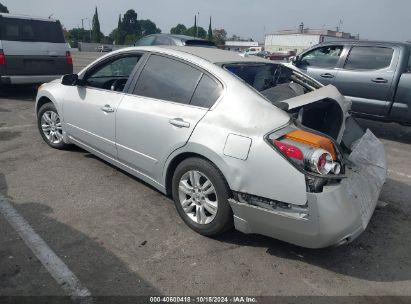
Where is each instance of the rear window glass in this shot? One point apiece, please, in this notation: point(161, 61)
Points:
point(207, 92)
point(167, 79)
point(14, 29)
point(369, 58)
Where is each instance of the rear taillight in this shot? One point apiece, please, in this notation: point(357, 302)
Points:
point(289, 150)
point(69, 58)
point(2, 58)
point(306, 150)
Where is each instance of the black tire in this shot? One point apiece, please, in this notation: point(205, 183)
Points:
point(223, 219)
point(44, 108)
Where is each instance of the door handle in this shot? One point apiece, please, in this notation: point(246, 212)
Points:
point(379, 80)
point(179, 122)
point(327, 75)
point(107, 109)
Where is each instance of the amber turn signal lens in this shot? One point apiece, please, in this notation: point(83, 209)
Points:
point(313, 140)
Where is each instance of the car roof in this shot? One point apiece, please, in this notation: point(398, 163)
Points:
point(179, 37)
point(215, 55)
point(365, 42)
point(6, 15)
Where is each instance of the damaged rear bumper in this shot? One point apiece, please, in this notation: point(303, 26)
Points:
point(337, 215)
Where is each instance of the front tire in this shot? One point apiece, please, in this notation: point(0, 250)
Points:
point(200, 193)
point(50, 126)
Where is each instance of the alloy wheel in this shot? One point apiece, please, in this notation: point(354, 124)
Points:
point(51, 127)
point(198, 197)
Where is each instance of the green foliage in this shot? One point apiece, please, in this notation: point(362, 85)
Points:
point(78, 34)
point(148, 27)
point(128, 30)
point(3, 9)
point(179, 29)
point(130, 24)
point(196, 32)
point(210, 32)
point(130, 39)
point(219, 36)
point(96, 33)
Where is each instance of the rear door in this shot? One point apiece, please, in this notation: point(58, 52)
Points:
point(161, 111)
point(366, 78)
point(321, 63)
point(33, 47)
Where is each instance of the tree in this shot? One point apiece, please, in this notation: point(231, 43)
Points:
point(196, 32)
point(77, 34)
point(130, 24)
point(3, 9)
point(195, 26)
point(210, 32)
point(219, 36)
point(148, 27)
point(179, 29)
point(96, 33)
point(120, 34)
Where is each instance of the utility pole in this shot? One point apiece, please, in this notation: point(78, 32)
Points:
point(82, 25)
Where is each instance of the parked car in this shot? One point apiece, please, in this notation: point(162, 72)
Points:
point(281, 55)
point(253, 50)
point(262, 54)
point(376, 76)
point(234, 140)
point(170, 39)
point(103, 49)
point(32, 50)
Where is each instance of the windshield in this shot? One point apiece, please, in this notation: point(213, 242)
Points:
point(276, 82)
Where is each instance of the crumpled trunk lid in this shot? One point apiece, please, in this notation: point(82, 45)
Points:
point(324, 110)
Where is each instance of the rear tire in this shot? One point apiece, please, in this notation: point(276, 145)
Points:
point(50, 126)
point(200, 193)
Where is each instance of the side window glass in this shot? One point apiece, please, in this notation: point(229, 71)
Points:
point(167, 79)
point(369, 58)
point(325, 57)
point(207, 92)
point(114, 74)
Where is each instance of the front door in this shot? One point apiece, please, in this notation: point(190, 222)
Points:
point(321, 63)
point(89, 110)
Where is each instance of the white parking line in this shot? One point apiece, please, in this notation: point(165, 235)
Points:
point(55, 266)
point(399, 173)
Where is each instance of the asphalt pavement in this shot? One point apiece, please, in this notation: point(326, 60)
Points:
point(119, 236)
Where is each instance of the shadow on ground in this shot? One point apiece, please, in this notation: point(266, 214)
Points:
point(19, 92)
point(96, 267)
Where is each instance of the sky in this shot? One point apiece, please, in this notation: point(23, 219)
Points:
point(372, 19)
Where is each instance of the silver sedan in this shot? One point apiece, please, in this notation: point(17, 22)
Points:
point(237, 141)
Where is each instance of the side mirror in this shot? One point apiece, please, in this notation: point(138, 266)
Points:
point(294, 60)
point(69, 80)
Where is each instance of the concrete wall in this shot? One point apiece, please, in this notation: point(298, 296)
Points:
point(91, 47)
point(292, 42)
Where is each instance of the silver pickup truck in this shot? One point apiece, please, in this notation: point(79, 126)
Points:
point(376, 76)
